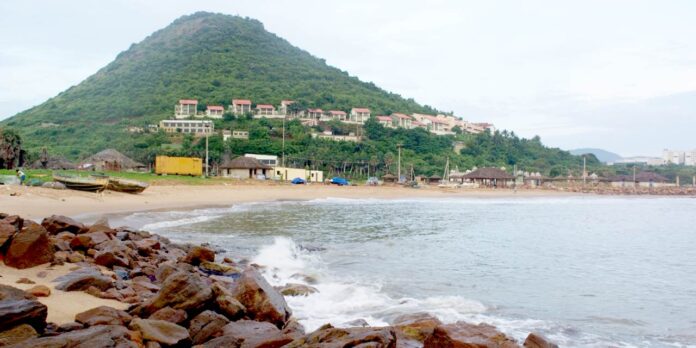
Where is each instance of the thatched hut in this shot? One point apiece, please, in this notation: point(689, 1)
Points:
point(110, 160)
point(491, 177)
point(389, 178)
point(244, 168)
point(53, 163)
point(434, 179)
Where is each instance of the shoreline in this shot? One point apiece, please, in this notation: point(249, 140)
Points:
point(36, 203)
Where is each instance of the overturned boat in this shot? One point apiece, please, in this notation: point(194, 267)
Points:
point(127, 185)
point(82, 183)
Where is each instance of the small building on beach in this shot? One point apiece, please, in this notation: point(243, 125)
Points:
point(389, 178)
point(643, 179)
point(110, 160)
point(490, 177)
point(244, 167)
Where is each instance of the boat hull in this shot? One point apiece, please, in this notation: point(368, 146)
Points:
point(82, 184)
point(127, 186)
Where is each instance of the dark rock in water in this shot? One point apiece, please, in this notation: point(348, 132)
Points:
point(375, 337)
point(17, 334)
point(30, 247)
point(95, 336)
point(57, 223)
point(205, 326)
point(176, 316)
point(103, 315)
point(88, 240)
point(462, 334)
point(255, 334)
point(416, 326)
point(295, 289)
point(226, 303)
point(181, 290)
point(198, 254)
point(15, 310)
point(356, 323)
point(82, 279)
point(160, 331)
point(261, 300)
point(535, 340)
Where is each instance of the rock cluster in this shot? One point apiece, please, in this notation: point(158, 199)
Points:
point(180, 296)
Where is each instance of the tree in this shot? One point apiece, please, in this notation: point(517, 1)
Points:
point(10, 149)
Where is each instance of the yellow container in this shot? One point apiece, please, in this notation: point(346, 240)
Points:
point(179, 165)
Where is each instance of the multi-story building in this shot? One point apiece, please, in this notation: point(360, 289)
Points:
point(186, 108)
point(315, 114)
point(196, 127)
point(214, 111)
point(265, 110)
point(385, 121)
point(240, 106)
point(673, 156)
point(336, 115)
point(401, 120)
point(283, 108)
point(359, 115)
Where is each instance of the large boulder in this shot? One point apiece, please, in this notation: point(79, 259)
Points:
point(30, 247)
point(416, 326)
point(82, 279)
point(253, 334)
point(226, 303)
point(103, 315)
point(58, 223)
point(296, 289)
point(7, 231)
point(206, 325)
point(535, 340)
point(160, 331)
point(328, 336)
point(114, 254)
point(199, 254)
point(467, 335)
point(17, 334)
point(181, 290)
point(88, 240)
point(18, 307)
point(261, 300)
point(95, 336)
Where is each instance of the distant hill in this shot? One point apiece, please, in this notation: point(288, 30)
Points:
point(205, 56)
point(602, 155)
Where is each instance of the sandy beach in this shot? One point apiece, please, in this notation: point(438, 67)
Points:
point(37, 203)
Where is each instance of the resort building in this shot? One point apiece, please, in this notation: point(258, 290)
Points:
point(214, 111)
point(196, 127)
point(336, 115)
point(283, 108)
point(643, 179)
point(385, 121)
point(401, 120)
point(328, 135)
point(186, 108)
point(244, 168)
point(239, 134)
point(490, 177)
point(287, 174)
point(265, 110)
point(226, 134)
point(315, 114)
point(269, 160)
point(240, 106)
point(359, 115)
point(687, 158)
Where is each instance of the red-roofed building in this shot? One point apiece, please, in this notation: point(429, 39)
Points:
point(314, 114)
point(240, 106)
point(336, 115)
point(283, 109)
point(385, 121)
point(214, 111)
point(402, 120)
point(359, 115)
point(186, 108)
point(265, 110)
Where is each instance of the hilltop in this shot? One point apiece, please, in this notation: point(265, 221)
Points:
point(603, 156)
point(206, 56)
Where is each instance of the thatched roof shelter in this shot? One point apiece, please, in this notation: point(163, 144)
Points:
point(389, 177)
point(489, 173)
point(243, 162)
point(111, 159)
point(54, 163)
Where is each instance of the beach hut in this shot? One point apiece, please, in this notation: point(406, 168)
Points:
point(53, 163)
point(434, 180)
point(490, 177)
point(389, 178)
point(110, 160)
point(642, 179)
point(244, 168)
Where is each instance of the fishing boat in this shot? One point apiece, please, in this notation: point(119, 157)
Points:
point(82, 183)
point(126, 185)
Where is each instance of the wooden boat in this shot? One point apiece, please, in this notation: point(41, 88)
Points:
point(82, 183)
point(126, 185)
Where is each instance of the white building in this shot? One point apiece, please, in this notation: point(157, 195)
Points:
point(214, 111)
point(674, 156)
point(196, 127)
point(186, 108)
point(359, 115)
point(269, 160)
point(240, 106)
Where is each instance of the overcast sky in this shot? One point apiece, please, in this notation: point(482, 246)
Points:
point(619, 75)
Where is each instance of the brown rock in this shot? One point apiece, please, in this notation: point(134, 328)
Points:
point(222, 341)
point(113, 254)
point(165, 270)
point(294, 329)
point(466, 335)
point(6, 232)
point(160, 331)
point(57, 223)
point(417, 326)
point(25, 281)
point(295, 289)
point(147, 246)
point(19, 307)
point(535, 340)
point(198, 254)
point(261, 300)
point(88, 240)
point(205, 326)
point(17, 334)
point(95, 336)
point(75, 257)
point(226, 303)
point(42, 274)
point(181, 290)
point(72, 326)
point(15, 221)
point(82, 279)
point(28, 248)
point(254, 334)
point(176, 316)
point(66, 236)
point(39, 291)
point(374, 337)
point(103, 315)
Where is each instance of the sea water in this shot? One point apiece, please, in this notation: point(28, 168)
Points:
point(584, 271)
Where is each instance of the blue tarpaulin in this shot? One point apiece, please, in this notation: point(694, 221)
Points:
point(298, 181)
point(340, 181)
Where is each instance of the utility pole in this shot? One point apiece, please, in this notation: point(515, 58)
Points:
point(282, 158)
point(206, 155)
point(584, 170)
point(398, 170)
point(634, 176)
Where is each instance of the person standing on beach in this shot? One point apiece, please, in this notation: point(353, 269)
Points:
point(21, 176)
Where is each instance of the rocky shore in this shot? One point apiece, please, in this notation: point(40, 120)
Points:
point(180, 296)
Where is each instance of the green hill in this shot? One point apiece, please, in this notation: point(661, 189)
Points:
point(214, 58)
